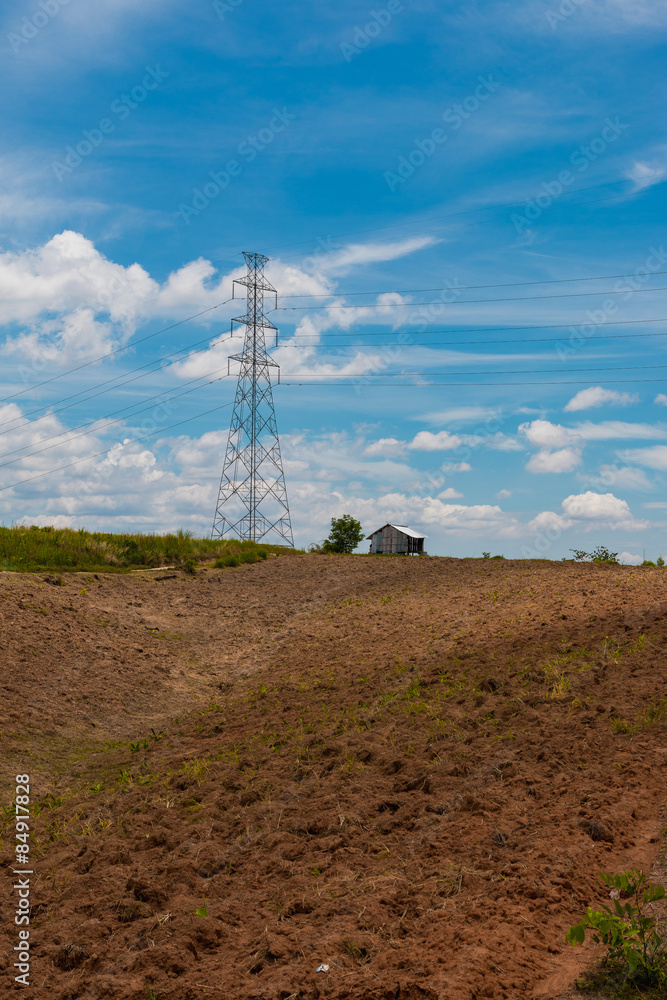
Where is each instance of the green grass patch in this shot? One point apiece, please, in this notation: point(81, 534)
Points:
point(64, 550)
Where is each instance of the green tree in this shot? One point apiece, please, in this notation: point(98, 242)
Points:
point(346, 533)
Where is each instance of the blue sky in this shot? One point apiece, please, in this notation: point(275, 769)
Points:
point(499, 157)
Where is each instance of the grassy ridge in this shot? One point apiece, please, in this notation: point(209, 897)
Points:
point(63, 550)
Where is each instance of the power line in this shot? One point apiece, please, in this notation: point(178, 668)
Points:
point(500, 329)
point(436, 218)
point(455, 385)
point(442, 288)
point(511, 371)
point(111, 354)
point(89, 458)
point(456, 343)
point(150, 365)
point(479, 302)
point(96, 420)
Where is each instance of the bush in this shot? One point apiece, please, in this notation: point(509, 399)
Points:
point(636, 949)
point(599, 554)
point(226, 561)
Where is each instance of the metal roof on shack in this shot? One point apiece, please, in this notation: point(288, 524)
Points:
point(403, 528)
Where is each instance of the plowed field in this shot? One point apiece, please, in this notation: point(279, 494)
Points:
point(407, 771)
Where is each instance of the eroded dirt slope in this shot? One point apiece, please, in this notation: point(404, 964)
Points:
point(407, 770)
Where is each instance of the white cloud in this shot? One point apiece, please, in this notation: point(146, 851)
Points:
point(661, 399)
point(624, 476)
point(74, 303)
point(345, 260)
point(548, 520)
point(587, 512)
point(385, 448)
point(629, 559)
point(461, 414)
point(653, 458)
point(450, 494)
point(544, 434)
point(501, 442)
point(601, 508)
point(610, 430)
point(645, 175)
point(596, 396)
point(442, 441)
point(456, 467)
point(503, 494)
point(562, 460)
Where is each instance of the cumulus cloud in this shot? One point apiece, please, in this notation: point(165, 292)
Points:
point(601, 508)
point(561, 460)
point(441, 441)
point(450, 494)
point(544, 434)
point(596, 396)
point(587, 512)
point(72, 302)
point(661, 399)
point(548, 520)
point(503, 494)
point(629, 559)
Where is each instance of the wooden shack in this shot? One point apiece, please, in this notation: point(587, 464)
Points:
point(396, 539)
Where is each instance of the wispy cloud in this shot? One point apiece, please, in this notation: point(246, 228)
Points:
point(645, 175)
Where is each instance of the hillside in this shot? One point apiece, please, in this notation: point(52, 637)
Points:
point(408, 770)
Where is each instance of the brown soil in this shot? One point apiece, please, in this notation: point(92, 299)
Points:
point(404, 769)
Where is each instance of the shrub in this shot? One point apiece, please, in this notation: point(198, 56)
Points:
point(599, 554)
point(636, 949)
point(226, 561)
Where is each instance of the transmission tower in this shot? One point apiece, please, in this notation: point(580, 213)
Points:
point(252, 500)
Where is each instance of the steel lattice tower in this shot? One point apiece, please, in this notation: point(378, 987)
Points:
point(252, 500)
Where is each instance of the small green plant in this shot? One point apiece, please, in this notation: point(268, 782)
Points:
point(226, 562)
point(202, 911)
point(660, 561)
point(636, 949)
point(486, 555)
